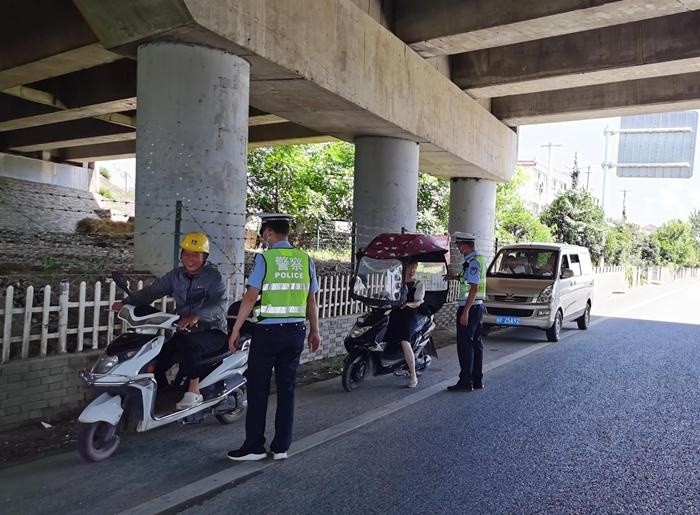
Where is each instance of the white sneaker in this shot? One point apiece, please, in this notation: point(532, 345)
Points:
point(188, 400)
point(279, 455)
point(413, 382)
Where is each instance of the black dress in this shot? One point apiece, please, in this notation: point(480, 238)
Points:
point(402, 320)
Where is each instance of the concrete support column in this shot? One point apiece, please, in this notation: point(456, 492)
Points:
point(386, 187)
point(191, 145)
point(473, 209)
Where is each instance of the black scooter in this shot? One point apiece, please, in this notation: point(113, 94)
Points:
point(369, 355)
point(378, 284)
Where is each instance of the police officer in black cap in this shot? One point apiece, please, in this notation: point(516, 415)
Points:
point(280, 296)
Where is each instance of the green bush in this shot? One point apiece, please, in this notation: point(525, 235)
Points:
point(106, 193)
point(105, 173)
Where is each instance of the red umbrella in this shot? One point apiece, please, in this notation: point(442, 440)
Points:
point(401, 246)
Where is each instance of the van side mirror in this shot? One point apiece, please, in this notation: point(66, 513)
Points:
point(567, 273)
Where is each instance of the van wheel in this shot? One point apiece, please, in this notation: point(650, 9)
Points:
point(585, 320)
point(553, 332)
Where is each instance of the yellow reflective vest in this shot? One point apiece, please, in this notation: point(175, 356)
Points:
point(286, 284)
point(464, 287)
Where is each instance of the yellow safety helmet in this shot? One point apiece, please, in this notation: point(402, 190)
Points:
point(195, 242)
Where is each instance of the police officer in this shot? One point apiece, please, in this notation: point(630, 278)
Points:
point(202, 326)
point(280, 295)
point(470, 312)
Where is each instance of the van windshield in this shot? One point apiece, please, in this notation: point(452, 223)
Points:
point(525, 263)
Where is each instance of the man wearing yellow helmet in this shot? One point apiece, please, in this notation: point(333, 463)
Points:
point(202, 324)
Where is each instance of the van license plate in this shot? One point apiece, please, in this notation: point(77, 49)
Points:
point(508, 320)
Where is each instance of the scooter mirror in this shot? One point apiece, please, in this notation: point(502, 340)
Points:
point(121, 280)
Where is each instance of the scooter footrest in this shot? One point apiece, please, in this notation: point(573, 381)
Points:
point(197, 418)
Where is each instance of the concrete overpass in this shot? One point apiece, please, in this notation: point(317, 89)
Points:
point(438, 85)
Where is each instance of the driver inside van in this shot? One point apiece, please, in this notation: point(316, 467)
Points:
point(522, 266)
point(202, 327)
point(549, 267)
point(507, 265)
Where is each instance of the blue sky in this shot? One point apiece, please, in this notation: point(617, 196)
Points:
point(650, 201)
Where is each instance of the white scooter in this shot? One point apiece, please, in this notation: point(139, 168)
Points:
point(124, 373)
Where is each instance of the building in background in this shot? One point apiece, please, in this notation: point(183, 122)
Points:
point(541, 185)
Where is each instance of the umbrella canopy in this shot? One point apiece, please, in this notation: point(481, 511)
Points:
point(402, 246)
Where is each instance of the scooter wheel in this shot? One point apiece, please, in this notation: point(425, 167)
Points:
point(231, 417)
point(97, 441)
point(355, 369)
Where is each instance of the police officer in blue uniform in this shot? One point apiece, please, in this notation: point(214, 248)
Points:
point(280, 294)
point(470, 313)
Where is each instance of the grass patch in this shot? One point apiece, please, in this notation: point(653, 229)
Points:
point(106, 193)
point(342, 255)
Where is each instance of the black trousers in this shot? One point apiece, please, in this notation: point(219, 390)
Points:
point(470, 348)
point(188, 349)
point(275, 346)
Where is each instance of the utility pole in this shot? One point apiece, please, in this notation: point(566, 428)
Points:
point(624, 204)
point(549, 147)
point(588, 178)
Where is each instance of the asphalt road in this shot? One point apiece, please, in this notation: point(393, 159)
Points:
point(606, 420)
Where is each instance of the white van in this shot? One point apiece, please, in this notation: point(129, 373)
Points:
point(539, 285)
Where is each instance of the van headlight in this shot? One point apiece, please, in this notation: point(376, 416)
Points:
point(546, 294)
point(105, 363)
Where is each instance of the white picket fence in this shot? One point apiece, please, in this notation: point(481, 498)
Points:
point(31, 331)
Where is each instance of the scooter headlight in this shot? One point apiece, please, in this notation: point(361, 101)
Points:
point(546, 294)
point(358, 330)
point(105, 364)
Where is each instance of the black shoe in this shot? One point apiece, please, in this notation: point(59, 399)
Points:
point(243, 454)
point(478, 386)
point(460, 387)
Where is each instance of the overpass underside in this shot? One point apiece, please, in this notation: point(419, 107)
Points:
point(188, 85)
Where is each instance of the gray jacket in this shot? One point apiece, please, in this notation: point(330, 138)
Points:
point(181, 286)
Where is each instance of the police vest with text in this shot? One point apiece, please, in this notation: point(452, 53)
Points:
point(464, 287)
point(286, 284)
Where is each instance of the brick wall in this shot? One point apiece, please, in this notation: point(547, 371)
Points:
point(42, 389)
point(445, 318)
point(49, 389)
point(333, 332)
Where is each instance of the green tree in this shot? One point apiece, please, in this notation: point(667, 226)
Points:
point(694, 221)
point(433, 205)
point(310, 182)
point(624, 243)
point(575, 218)
point(514, 222)
point(650, 252)
point(676, 244)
